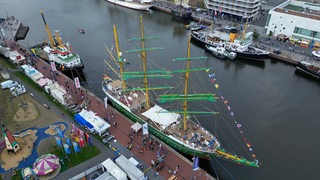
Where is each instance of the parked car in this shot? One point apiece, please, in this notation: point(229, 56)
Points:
point(277, 51)
point(8, 84)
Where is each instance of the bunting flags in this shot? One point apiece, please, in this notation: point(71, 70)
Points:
point(58, 141)
point(76, 147)
point(195, 165)
point(67, 148)
point(226, 103)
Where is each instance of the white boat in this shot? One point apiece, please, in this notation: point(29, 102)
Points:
point(142, 5)
point(316, 55)
point(221, 52)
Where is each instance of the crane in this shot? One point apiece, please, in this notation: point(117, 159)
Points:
point(48, 30)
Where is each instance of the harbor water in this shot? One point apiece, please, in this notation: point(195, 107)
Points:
point(275, 105)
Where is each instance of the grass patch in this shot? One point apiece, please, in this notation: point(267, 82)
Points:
point(6, 63)
point(17, 175)
point(74, 159)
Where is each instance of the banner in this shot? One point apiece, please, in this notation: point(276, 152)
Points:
point(60, 133)
point(81, 142)
point(67, 148)
point(58, 141)
point(77, 82)
point(53, 66)
point(68, 141)
point(195, 165)
point(76, 147)
point(145, 129)
point(106, 102)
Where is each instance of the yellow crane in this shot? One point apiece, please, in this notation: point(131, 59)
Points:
point(52, 44)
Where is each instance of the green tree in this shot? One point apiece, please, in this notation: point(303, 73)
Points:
point(255, 35)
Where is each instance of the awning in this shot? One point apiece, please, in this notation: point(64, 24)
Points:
point(42, 82)
point(136, 126)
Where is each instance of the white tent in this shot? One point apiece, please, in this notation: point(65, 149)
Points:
point(159, 115)
point(136, 126)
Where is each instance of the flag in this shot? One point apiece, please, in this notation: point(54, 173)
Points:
point(89, 139)
point(145, 129)
point(67, 148)
point(232, 114)
point(81, 133)
point(76, 139)
point(68, 141)
point(106, 102)
point(60, 133)
point(77, 82)
point(229, 108)
point(76, 147)
point(53, 66)
point(105, 77)
point(58, 140)
point(81, 142)
point(216, 85)
point(195, 163)
point(86, 136)
point(74, 128)
point(226, 101)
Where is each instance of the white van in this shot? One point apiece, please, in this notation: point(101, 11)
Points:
point(8, 84)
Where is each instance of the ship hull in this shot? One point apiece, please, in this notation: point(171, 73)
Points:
point(134, 6)
point(304, 68)
point(160, 135)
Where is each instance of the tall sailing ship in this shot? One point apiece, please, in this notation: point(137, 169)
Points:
point(174, 127)
point(64, 58)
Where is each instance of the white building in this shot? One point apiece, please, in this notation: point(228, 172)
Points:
point(299, 19)
point(235, 8)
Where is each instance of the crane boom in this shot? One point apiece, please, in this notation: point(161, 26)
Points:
point(48, 30)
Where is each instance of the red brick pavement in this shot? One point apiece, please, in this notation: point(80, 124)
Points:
point(123, 128)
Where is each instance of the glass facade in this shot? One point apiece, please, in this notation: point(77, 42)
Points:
point(307, 32)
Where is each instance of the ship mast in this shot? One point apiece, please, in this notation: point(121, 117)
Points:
point(186, 84)
point(119, 54)
point(245, 29)
point(48, 30)
point(144, 64)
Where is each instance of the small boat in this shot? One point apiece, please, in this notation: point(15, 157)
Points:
point(81, 31)
point(194, 26)
point(316, 55)
point(54, 50)
point(142, 5)
point(221, 52)
point(309, 68)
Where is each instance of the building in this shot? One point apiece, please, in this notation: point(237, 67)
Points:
point(297, 19)
point(237, 9)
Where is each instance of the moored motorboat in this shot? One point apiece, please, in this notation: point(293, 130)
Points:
point(316, 55)
point(309, 68)
point(194, 26)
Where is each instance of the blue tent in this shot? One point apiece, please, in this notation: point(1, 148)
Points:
point(82, 121)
